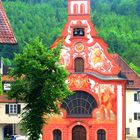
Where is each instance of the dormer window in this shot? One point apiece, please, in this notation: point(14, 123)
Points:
point(78, 32)
point(130, 82)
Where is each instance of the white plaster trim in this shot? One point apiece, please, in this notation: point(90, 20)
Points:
point(119, 112)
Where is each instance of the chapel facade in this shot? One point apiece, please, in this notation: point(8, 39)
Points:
point(96, 109)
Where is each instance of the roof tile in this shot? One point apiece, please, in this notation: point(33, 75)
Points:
point(6, 32)
point(128, 72)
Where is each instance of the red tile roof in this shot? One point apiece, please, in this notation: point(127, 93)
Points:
point(128, 72)
point(6, 32)
point(4, 99)
point(6, 78)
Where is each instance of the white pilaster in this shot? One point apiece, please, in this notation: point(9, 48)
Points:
point(119, 112)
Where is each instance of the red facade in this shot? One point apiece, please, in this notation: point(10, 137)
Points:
point(96, 110)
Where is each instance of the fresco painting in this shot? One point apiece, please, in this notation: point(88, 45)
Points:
point(108, 102)
point(98, 60)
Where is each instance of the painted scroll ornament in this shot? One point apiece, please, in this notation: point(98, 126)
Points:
point(79, 47)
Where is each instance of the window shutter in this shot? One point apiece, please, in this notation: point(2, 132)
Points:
point(135, 116)
point(7, 109)
point(18, 109)
point(135, 97)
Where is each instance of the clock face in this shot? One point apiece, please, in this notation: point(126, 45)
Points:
point(79, 47)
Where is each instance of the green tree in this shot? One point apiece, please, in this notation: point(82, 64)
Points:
point(40, 83)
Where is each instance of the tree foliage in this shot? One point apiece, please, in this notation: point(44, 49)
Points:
point(39, 81)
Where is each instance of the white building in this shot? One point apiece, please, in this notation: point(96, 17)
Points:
point(132, 100)
point(9, 117)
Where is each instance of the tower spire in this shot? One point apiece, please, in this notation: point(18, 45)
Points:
point(78, 7)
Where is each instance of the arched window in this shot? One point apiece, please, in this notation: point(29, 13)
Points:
point(82, 9)
point(101, 134)
point(79, 64)
point(75, 7)
point(57, 134)
point(80, 105)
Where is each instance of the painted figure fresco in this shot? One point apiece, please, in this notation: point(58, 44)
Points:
point(98, 60)
point(65, 56)
point(108, 100)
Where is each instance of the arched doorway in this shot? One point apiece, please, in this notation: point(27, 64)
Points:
point(101, 134)
point(78, 133)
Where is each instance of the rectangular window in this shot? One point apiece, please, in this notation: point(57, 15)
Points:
point(138, 132)
point(12, 109)
point(137, 116)
point(127, 131)
point(138, 94)
point(135, 97)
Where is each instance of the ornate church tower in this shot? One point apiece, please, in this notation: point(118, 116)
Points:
point(96, 110)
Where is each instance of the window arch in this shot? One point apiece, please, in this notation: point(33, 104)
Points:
point(82, 9)
point(80, 105)
point(79, 64)
point(75, 7)
point(57, 135)
point(101, 134)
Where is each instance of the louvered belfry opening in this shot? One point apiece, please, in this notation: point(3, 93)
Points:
point(79, 64)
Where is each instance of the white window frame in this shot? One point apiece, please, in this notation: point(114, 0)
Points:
point(13, 109)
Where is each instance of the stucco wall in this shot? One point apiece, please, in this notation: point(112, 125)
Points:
point(6, 118)
point(131, 107)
